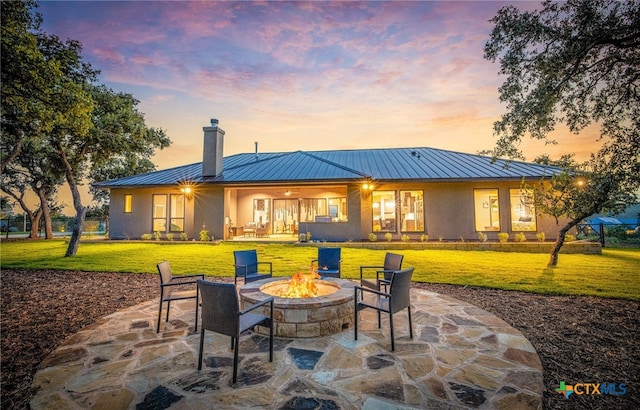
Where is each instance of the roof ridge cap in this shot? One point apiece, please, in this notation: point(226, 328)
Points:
point(272, 155)
point(335, 164)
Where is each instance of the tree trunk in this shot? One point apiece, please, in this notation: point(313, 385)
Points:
point(78, 222)
point(76, 233)
point(34, 218)
point(35, 222)
point(553, 260)
point(81, 211)
point(44, 210)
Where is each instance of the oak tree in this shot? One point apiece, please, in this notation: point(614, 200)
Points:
point(575, 63)
point(58, 122)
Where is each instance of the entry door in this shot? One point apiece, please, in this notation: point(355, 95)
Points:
point(285, 215)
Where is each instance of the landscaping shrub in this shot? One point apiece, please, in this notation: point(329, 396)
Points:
point(520, 237)
point(204, 235)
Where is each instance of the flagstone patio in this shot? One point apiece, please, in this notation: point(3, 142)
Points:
point(461, 357)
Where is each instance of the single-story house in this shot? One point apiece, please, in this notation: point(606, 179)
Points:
point(335, 195)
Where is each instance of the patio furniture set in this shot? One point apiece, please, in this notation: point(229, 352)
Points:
point(252, 229)
point(222, 310)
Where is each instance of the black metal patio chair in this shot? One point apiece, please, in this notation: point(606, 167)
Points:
point(392, 262)
point(221, 314)
point(248, 267)
point(396, 300)
point(328, 262)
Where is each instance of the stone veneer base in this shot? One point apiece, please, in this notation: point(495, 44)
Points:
point(305, 317)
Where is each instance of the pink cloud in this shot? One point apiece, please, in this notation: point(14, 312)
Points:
point(110, 55)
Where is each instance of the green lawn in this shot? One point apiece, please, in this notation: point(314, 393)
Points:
point(615, 273)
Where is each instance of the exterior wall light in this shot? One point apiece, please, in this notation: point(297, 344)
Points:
point(367, 188)
point(187, 190)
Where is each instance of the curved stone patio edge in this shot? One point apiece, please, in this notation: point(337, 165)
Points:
point(461, 356)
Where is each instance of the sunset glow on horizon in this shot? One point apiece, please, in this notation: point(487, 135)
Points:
point(302, 75)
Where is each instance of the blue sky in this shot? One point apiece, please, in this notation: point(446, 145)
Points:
point(301, 75)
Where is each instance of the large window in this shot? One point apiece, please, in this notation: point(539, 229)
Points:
point(412, 211)
point(285, 215)
point(177, 213)
point(523, 211)
point(159, 213)
point(487, 209)
point(384, 211)
point(312, 207)
point(338, 209)
point(168, 214)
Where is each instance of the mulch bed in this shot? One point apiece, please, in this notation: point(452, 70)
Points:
point(578, 339)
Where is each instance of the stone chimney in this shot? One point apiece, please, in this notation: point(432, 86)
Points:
point(212, 152)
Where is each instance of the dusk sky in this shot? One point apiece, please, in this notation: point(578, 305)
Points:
point(301, 75)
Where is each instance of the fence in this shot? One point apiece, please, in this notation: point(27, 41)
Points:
point(603, 231)
point(59, 225)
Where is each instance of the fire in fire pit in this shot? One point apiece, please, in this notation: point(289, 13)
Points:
point(329, 312)
point(301, 285)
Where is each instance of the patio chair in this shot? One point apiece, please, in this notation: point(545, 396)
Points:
point(262, 231)
point(249, 229)
point(328, 262)
point(247, 266)
point(168, 282)
point(221, 314)
point(392, 262)
point(396, 300)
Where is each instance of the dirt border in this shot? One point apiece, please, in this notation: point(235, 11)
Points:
point(578, 339)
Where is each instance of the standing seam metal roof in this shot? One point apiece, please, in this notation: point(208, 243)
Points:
point(390, 164)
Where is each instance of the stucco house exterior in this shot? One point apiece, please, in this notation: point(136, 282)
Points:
point(335, 195)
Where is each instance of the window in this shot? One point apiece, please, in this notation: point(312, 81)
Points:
point(177, 213)
point(127, 204)
point(168, 214)
point(285, 215)
point(338, 209)
point(487, 209)
point(159, 213)
point(261, 211)
point(523, 211)
point(384, 211)
point(312, 207)
point(411, 211)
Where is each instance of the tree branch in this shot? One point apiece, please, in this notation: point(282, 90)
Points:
point(13, 154)
point(630, 41)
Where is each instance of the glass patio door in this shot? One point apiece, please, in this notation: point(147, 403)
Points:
point(285, 215)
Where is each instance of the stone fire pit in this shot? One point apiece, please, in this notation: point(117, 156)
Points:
point(305, 317)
